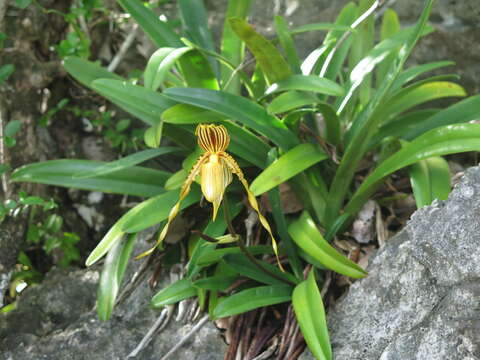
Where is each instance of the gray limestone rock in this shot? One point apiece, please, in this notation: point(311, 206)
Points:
point(56, 321)
point(421, 299)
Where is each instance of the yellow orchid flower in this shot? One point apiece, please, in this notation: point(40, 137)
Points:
point(215, 168)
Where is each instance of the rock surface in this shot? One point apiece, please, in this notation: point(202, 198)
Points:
point(56, 321)
point(421, 299)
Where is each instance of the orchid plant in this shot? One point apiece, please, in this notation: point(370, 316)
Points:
point(307, 122)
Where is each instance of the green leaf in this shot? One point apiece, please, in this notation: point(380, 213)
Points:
point(10, 204)
point(3, 168)
point(112, 276)
point(111, 238)
point(461, 112)
point(145, 104)
point(290, 100)
point(242, 265)
point(32, 200)
point(153, 64)
point(365, 66)
point(117, 231)
point(194, 20)
point(22, 4)
point(157, 30)
point(182, 136)
point(253, 298)
point(369, 119)
point(430, 179)
point(153, 135)
point(238, 108)
point(9, 141)
point(197, 71)
point(332, 131)
point(331, 55)
point(214, 229)
point(294, 161)
point(218, 282)
point(400, 125)
point(188, 114)
point(176, 180)
point(3, 37)
point(122, 125)
point(362, 43)
point(258, 83)
point(286, 40)
point(233, 49)
point(281, 223)
point(126, 162)
point(306, 235)
point(310, 313)
point(418, 94)
point(12, 128)
point(153, 67)
point(319, 27)
point(390, 26)
point(85, 72)
point(156, 209)
point(311, 193)
point(246, 145)
point(6, 71)
point(307, 83)
point(136, 180)
point(215, 256)
point(180, 290)
point(445, 140)
point(165, 65)
point(415, 71)
point(269, 59)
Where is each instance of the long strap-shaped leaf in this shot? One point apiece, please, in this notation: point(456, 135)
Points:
point(286, 40)
point(233, 49)
point(86, 72)
point(359, 144)
point(306, 83)
point(306, 235)
point(253, 298)
point(287, 166)
point(179, 290)
point(146, 104)
point(136, 180)
point(160, 33)
point(125, 162)
point(269, 59)
point(145, 214)
point(430, 179)
point(310, 314)
point(195, 22)
point(238, 108)
point(441, 141)
point(112, 276)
